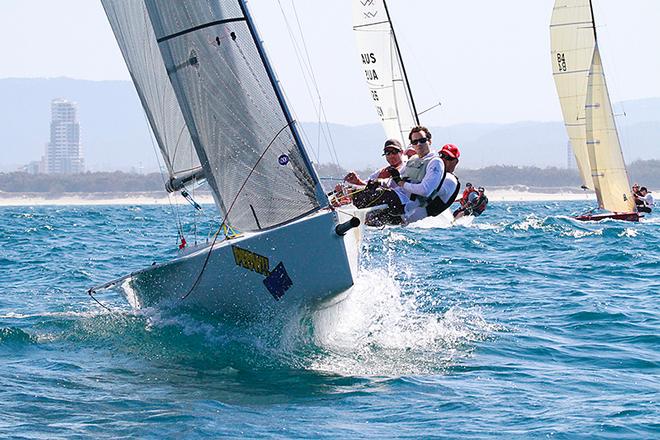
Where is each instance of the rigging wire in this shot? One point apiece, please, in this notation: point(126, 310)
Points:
point(160, 168)
point(307, 71)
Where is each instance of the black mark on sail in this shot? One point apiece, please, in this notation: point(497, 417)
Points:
point(379, 110)
point(367, 2)
point(217, 41)
point(371, 74)
point(191, 61)
point(374, 95)
point(233, 36)
point(370, 14)
point(368, 58)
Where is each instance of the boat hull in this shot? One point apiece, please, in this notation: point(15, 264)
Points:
point(304, 263)
point(626, 216)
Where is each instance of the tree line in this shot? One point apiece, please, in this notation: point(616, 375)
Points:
point(644, 172)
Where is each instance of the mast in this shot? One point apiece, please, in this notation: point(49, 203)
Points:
point(593, 21)
point(403, 66)
point(320, 193)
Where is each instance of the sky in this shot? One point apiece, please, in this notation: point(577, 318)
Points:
point(486, 61)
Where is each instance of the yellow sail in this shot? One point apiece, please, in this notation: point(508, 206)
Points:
point(572, 41)
point(608, 169)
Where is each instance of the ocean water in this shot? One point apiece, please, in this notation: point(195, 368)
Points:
point(525, 324)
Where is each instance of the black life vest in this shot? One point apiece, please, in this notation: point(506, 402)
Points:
point(436, 205)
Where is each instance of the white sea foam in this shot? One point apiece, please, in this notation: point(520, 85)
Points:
point(378, 330)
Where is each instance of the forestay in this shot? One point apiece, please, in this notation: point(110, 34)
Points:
point(383, 68)
point(238, 121)
point(137, 42)
point(608, 168)
point(572, 40)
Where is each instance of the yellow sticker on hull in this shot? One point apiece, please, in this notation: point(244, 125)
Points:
point(251, 261)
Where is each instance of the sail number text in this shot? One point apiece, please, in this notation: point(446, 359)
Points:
point(561, 62)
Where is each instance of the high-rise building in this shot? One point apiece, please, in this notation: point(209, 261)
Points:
point(64, 152)
point(571, 163)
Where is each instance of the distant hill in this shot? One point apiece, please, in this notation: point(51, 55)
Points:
point(116, 137)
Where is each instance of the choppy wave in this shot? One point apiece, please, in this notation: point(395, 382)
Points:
point(523, 321)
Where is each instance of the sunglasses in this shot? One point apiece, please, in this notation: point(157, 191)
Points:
point(448, 157)
point(419, 141)
point(391, 152)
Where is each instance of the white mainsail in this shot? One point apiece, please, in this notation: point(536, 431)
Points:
point(137, 42)
point(578, 73)
point(231, 104)
point(383, 68)
point(572, 43)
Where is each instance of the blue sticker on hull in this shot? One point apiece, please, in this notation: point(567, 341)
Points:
point(278, 282)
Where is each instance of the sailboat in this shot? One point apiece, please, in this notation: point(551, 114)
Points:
point(384, 70)
point(219, 116)
point(580, 80)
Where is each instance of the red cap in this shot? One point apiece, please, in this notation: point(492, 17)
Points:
point(451, 150)
point(410, 152)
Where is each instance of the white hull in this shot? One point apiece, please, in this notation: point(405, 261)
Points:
point(302, 263)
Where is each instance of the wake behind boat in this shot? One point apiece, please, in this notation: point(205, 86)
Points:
point(580, 79)
point(219, 116)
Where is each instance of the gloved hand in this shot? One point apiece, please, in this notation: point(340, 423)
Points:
point(394, 173)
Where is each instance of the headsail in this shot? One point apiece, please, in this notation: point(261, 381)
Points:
point(572, 41)
point(241, 129)
point(580, 80)
point(383, 68)
point(133, 31)
point(607, 166)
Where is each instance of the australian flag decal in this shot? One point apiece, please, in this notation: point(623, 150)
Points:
point(278, 282)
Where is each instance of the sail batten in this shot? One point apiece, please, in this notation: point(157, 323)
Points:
point(236, 118)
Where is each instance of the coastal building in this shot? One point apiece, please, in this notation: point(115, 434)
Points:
point(571, 164)
point(64, 152)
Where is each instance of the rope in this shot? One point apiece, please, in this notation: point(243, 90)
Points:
point(90, 292)
point(224, 221)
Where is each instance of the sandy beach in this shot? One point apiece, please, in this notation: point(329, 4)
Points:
point(81, 199)
point(161, 198)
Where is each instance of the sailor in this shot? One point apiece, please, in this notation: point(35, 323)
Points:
point(636, 196)
point(423, 173)
point(475, 207)
point(448, 188)
point(393, 153)
point(469, 194)
point(647, 200)
point(378, 192)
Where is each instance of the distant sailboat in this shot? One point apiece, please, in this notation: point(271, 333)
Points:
point(578, 73)
point(383, 68)
point(218, 114)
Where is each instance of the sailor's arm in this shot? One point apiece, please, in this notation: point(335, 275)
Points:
point(430, 181)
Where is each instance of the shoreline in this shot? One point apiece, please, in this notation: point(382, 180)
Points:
point(162, 198)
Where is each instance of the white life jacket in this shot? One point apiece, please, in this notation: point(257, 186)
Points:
point(414, 173)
